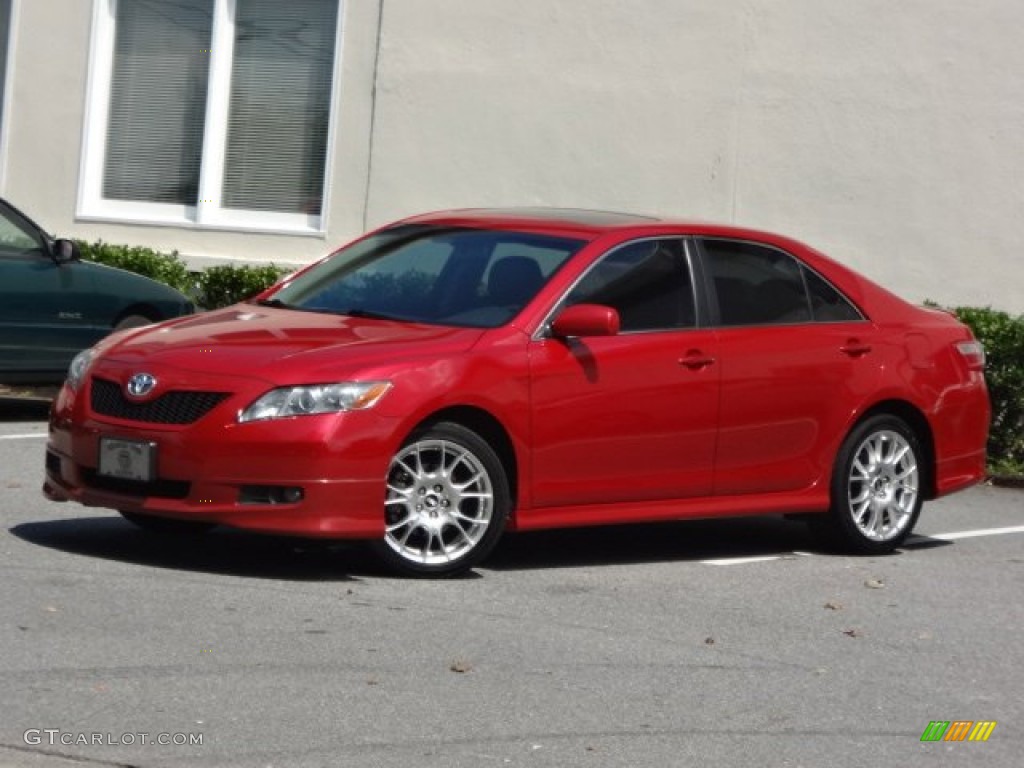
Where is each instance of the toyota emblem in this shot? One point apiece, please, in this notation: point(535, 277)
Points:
point(140, 384)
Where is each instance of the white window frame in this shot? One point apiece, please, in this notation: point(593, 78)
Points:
point(8, 98)
point(207, 213)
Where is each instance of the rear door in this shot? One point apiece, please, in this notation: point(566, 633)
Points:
point(633, 416)
point(796, 359)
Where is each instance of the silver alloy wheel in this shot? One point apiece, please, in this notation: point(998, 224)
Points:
point(439, 504)
point(883, 485)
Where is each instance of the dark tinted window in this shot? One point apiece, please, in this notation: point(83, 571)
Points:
point(828, 304)
point(647, 282)
point(450, 276)
point(15, 236)
point(756, 285)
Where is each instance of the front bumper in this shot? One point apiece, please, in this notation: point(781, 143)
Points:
point(203, 468)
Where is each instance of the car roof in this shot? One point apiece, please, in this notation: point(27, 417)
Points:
point(586, 224)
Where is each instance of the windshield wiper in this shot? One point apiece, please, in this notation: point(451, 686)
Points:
point(274, 303)
point(369, 314)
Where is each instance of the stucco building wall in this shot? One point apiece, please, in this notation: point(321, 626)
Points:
point(887, 134)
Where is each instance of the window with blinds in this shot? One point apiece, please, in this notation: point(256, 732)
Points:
point(208, 109)
point(158, 100)
point(280, 98)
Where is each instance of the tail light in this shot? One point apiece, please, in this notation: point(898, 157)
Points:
point(972, 353)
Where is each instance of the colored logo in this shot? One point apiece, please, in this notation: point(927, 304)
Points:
point(140, 384)
point(958, 730)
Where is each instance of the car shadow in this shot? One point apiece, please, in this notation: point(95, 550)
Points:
point(24, 408)
point(230, 552)
point(683, 541)
point(221, 551)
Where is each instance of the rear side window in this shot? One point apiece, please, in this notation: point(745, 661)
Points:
point(828, 304)
point(756, 285)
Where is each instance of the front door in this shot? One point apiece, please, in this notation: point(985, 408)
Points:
point(630, 417)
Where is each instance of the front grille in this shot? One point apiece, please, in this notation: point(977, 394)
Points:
point(164, 489)
point(175, 407)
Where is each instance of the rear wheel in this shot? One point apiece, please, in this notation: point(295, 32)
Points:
point(876, 487)
point(446, 502)
point(167, 525)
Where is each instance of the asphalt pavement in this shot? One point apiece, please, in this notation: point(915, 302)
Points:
point(732, 642)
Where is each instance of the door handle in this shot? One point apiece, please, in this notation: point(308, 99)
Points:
point(695, 360)
point(855, 348)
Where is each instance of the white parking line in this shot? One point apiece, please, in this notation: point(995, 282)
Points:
point(952, 536)
point(756, 559)
point(971, 534)
point(22, 437)
point(741, 560)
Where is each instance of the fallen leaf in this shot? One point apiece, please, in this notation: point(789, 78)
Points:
point(462, 667)
point(874, 584)
point(834, 606)
point(709, 641)
point(852, 632)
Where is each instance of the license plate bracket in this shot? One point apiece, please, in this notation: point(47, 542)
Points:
point(127, 459)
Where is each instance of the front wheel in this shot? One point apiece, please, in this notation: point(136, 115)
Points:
point(876, 487)
point(446, 502)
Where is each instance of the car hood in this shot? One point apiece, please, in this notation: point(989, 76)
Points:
point(284, 346)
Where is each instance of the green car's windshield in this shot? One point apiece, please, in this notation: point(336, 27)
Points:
point(428, 274)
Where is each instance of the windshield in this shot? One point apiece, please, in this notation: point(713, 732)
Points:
point(428, 274)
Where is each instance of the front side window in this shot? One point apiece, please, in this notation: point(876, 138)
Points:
point(647, 282)
point(428, 274)
point(17, 237)
point(211, 111)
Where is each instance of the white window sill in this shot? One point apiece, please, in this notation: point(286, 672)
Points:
point(249, 223)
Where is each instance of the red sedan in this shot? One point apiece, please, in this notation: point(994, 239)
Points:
point(454, 375)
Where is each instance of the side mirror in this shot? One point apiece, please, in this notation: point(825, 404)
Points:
point(65, 251)
point(586, 320)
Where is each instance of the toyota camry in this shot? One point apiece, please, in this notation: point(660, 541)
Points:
point(456, 375)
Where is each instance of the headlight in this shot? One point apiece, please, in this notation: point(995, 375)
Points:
point(79, 365)
point(316, 398)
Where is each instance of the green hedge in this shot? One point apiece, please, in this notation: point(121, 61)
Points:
point(163, 267)
point(1002, 335)
point(225, 285)
point(212, 288)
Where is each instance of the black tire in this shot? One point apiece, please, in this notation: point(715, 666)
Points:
point(132, 321)
point(877, 488)
point(167, 525)
point(446, 503)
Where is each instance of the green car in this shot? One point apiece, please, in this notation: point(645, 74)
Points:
point(53, 304)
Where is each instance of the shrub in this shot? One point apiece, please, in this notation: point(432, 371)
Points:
point(213, 288)
point(166, 268)
point(224, 285)
point(1002, 335)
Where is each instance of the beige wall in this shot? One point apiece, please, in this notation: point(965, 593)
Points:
point(887, 134)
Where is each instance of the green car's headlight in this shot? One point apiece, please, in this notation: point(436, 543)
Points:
point(316, 398)
point(79, 365)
